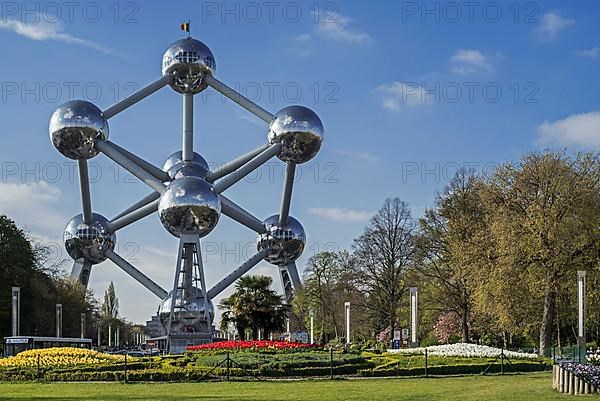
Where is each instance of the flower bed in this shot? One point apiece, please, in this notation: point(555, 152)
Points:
point(63, 356)
point(464, 350)
point(251, 345)
point(593, 357)
point(589, 373)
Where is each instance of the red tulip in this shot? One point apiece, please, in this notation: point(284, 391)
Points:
point(256, 344)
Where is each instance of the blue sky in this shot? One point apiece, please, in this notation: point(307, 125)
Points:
point(407, 91)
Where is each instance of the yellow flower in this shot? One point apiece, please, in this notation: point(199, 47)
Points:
point(59, 357)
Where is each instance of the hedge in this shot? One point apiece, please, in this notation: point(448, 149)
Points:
point(461, 369)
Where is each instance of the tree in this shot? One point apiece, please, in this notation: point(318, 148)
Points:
point(254, 306)
point(384, 254)
point(26, 264)
point(545, 221)
point(450, 244)
point(17, 266)
point(110, 306)
point(331, 279)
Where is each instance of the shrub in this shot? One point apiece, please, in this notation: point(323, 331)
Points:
point(459, 369)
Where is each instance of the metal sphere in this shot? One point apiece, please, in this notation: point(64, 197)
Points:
point(174, 164)
point(300, 131)
point(75, 127)
point(189, 314)
point(189, 205)
point(88, 241)
point(286, 242)
point(189, 61)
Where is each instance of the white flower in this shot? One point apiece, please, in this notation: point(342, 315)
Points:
point(464, 350)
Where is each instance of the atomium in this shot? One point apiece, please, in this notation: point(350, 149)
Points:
point(189, 205)
point(189, 312)
point(299, 130)
point(189, 61)
point(174, 164)
point(284, 243)
point(75, 127)
point(88, 241)
point(186, 193)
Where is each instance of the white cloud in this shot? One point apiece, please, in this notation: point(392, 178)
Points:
point(594, 53)
point(341, 215)
point(302, 38)
point(33, 206)
point(337, 28)
point(333, 28)
point(582, 130)
point(302, 45)
point(365, 156)
point(396, 94)
point(551, 24)
point(43, 30)
point(251, 119)
point(468, 61)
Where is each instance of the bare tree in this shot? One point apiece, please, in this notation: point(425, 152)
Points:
point(385, 252)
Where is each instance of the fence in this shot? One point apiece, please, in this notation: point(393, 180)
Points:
point(565, 380)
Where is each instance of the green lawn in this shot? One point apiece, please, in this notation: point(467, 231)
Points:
point(533, 386)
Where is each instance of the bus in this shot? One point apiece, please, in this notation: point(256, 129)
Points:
point(14, 345)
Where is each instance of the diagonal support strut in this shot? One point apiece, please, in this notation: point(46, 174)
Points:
point(137, 96)
point(136, 274)
point(237, 273)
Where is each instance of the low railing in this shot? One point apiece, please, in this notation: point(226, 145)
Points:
point(567, 381)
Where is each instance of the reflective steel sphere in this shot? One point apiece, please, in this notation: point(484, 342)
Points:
point(300, 131)
point(88, 241)
point(75, 127)
point(189, 315)
point(189, 205)
point(286, 242)
point(189, 60)
point(197, 168)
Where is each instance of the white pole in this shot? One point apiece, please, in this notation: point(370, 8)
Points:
point(581, 341)
point(581, 302)
point(58, 320)
point(16, 311)
point(109, 335)
point(414, 316)
point(347, 309)
point(312, 327)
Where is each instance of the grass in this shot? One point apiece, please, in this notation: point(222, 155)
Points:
point(534, 386)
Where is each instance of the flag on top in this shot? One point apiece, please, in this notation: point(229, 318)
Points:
point(185, 26)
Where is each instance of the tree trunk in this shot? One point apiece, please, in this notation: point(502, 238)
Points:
point(465, 324)
point(547, 322)
point(558, 325)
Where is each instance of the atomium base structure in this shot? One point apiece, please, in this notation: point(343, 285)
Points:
point(188, 196)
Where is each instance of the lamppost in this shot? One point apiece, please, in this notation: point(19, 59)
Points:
point(312, 327)
point(59, 317)
point(16, 311)
point(581, 339)
point(414, 317)
point(82, 324)
point(347, 310)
